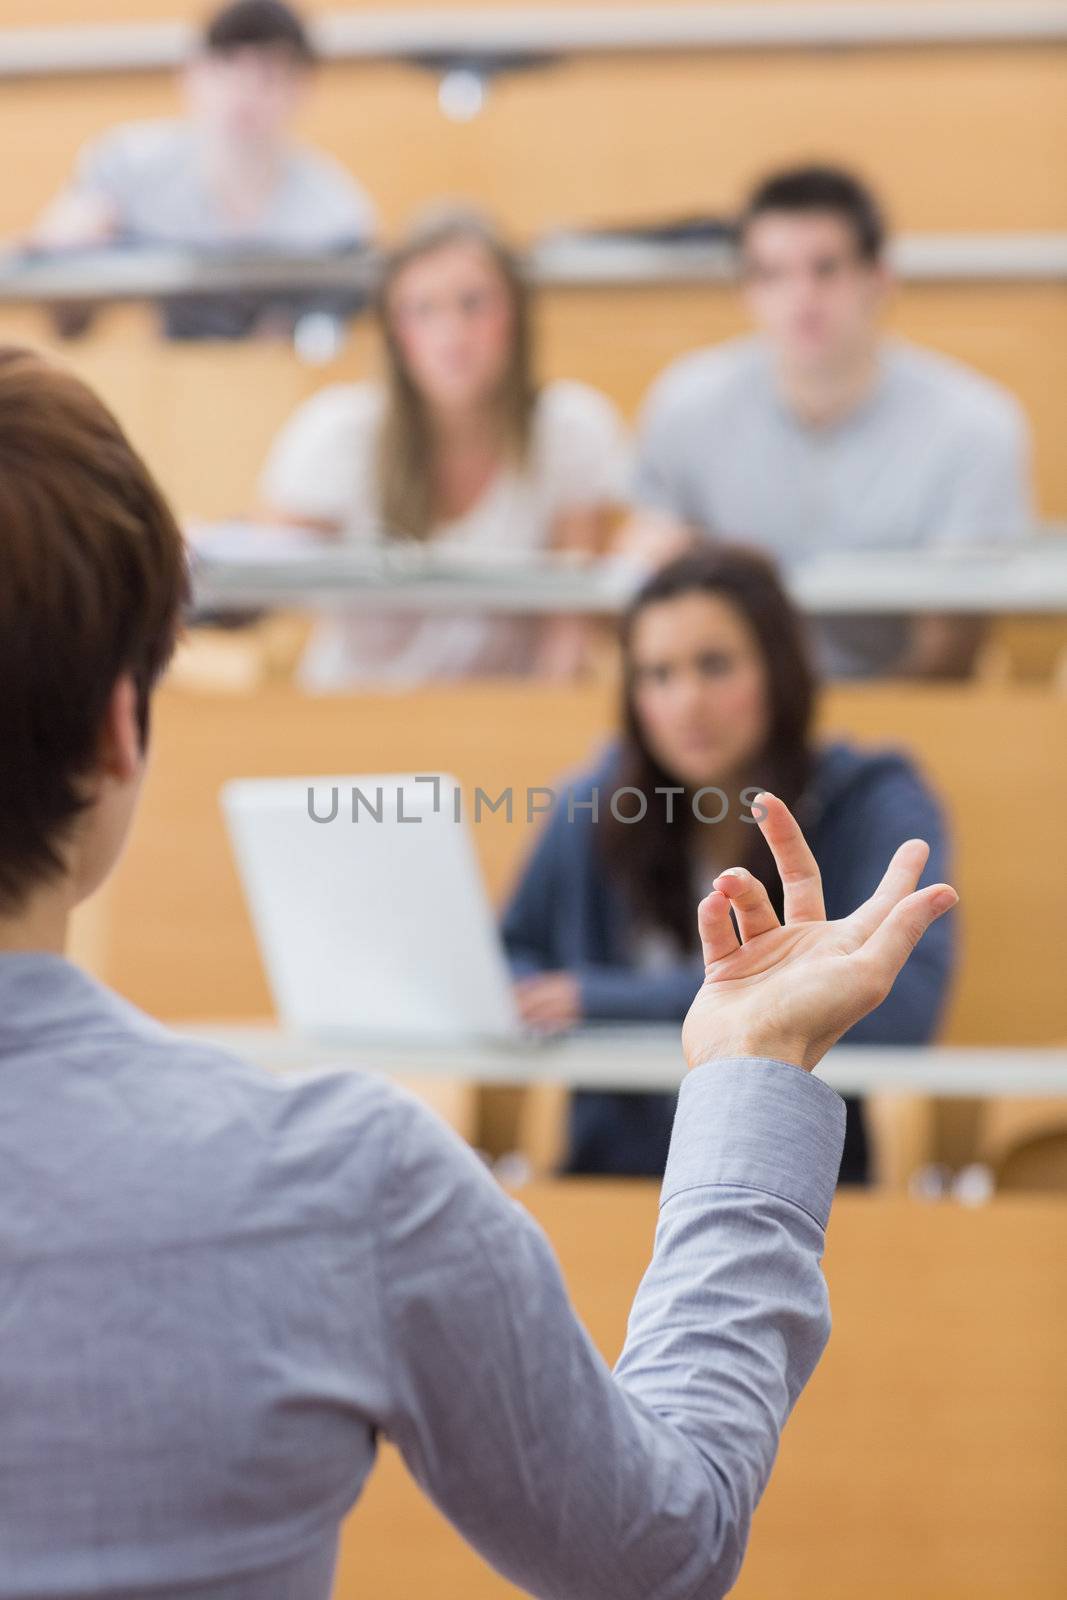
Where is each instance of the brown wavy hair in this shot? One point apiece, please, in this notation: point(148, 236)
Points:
point(404, 457)
point(651, 860)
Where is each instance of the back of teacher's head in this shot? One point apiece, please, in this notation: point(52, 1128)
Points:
point(92, 583)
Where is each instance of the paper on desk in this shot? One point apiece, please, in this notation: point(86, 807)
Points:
point(251, 543)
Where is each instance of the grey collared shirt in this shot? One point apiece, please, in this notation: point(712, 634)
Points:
point(217, 1288)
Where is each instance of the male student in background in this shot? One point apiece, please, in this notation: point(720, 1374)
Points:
point(229, 172)
point(820, 433)
point(219, 1288)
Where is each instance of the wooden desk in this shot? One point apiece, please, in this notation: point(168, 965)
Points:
point(1027, 578)
point(926, 1461)
point(639, 1058)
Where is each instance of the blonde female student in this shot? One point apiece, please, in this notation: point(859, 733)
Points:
point(460, 447)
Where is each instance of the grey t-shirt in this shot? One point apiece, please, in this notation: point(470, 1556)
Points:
point(218, 1288)
point(937, 455)
point(152, 173)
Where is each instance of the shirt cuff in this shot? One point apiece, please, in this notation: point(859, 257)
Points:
point(757, 1123)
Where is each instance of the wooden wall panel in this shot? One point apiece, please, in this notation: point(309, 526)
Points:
point(205, 415)
point(28, 13)
point(927, 1457)
point(961, 137)
point(179, 943)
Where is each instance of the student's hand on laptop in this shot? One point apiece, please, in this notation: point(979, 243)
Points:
point(549, 1002)
point(791, 991)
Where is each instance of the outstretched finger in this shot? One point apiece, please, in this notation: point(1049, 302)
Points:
point(717, 935)
point(797, 867)
point(900, 878)
point(890, 945)
point(750, 901)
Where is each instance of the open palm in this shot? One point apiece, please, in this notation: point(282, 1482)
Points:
point(790, 991)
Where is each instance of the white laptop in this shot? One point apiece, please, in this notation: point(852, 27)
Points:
point(369, 907)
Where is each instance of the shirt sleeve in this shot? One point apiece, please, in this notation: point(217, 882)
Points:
point(583, 448)
point(657, 481)
point(988, 482)
point(626, 994)
point(339, 209)
point(106, 165)
point(320, 467)
point(530, 919)
point(899, 807)
point(580, 1484)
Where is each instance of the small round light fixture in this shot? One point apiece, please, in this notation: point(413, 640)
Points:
point(461, 94)
point(319, 337)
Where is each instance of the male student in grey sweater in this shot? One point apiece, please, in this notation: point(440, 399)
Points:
point(218, 1288)
point(821, 435)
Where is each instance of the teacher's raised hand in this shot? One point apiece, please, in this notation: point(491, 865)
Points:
point(791, 989)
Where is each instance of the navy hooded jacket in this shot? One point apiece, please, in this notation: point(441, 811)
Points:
point(567, 915)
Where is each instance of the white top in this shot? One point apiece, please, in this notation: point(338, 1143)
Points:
point(322, 469)
point(152, 173)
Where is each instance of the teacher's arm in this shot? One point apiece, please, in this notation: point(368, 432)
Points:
point(582, 1484)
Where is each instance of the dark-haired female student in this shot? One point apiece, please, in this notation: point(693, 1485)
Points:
point(719, 698)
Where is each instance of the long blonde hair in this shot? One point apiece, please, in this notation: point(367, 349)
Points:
point(404, 455)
